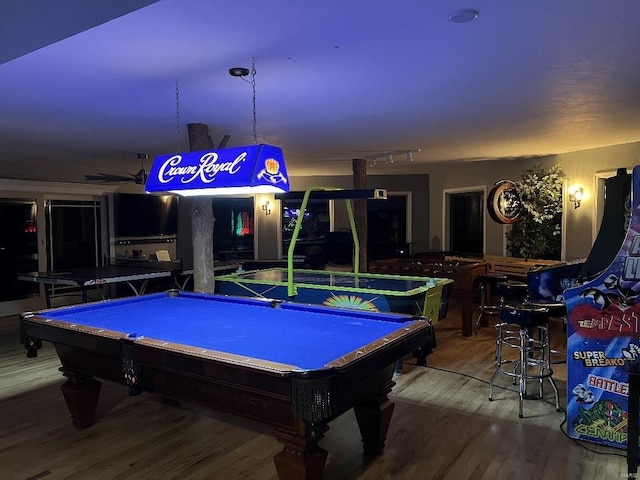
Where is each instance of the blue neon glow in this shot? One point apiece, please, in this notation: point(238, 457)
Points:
point(250, 169)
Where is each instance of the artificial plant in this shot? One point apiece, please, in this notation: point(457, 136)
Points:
point(538, 233)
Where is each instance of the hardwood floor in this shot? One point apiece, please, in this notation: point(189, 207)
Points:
point(443, 427)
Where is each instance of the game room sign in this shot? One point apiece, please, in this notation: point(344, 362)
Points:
point(250, 169)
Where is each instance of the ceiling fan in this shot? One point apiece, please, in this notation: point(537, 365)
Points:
point(140, 177)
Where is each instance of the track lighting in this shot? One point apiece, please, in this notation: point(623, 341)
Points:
point(388, 156)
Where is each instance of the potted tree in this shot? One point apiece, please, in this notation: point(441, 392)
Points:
point(537, 233)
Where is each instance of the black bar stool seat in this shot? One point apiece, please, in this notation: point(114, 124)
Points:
point(513, 292)
point(526, 316)
point(556, 308)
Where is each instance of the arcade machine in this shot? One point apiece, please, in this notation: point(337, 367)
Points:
point(603, 320)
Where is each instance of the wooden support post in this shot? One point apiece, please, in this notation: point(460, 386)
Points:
point(202, 220)
point(360, 209)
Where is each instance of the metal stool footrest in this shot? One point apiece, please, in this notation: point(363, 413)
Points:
point(525, 332)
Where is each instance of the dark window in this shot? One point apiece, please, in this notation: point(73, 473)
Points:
point(233, 229)
point(314, 227)
point(73, 234)
point(387, 227)
point(18, 247)
point(140, 215)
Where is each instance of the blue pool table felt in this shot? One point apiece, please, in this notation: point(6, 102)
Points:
point(307, 336)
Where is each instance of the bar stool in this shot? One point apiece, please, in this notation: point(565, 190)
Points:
point(524, 329)
point(513, 292)
point(490, 280)
point(557, 310)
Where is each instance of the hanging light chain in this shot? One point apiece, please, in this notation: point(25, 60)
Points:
point(241, 73)
point(253, 86)
point(177, 117)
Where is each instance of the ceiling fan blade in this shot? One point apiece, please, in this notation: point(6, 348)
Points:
point(106, 177)
point(223, 142)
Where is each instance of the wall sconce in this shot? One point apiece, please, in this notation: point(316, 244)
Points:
point(265, 207)
point(575, 196)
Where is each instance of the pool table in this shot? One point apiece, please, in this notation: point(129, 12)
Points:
point(292, 366)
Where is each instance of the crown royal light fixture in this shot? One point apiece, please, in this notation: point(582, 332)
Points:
point(257, 168)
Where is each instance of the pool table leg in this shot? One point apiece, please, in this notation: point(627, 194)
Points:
point(301, 458)
point(81, 392)
point(374, 417)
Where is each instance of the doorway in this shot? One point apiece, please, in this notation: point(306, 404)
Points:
point(465, 221)
point(389, 232)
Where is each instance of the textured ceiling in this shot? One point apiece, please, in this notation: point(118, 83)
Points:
point(334, 80)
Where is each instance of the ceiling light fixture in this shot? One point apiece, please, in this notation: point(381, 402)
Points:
point(241, 72)
point(238, 72)
point(463, 16)
point(262, 169)
point(388, 156)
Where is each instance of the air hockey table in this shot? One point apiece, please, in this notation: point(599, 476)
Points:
point(363, 291)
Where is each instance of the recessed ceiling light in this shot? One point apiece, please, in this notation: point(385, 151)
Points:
point(463, 16)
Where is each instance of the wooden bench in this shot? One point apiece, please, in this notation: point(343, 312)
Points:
point(516, 268)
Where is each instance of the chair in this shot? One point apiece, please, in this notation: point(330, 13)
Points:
point(524, 329)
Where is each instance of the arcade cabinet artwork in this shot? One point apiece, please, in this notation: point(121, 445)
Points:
point(603, 320)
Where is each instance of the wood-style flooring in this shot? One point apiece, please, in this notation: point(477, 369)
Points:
point(443, 427)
